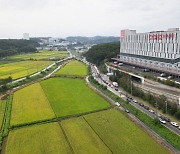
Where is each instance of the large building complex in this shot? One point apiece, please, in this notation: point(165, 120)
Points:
point(157, 50)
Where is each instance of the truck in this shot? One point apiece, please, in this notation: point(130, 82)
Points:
point(115, 84)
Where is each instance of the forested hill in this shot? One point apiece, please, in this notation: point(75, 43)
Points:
point(14, 46)
point(98, 53)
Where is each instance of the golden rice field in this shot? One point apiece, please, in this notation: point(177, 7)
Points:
point(82, 138)
point(2, 111)
point(30, 104)
point(74, 68)
point(41, 55)
point(20, 69)
point(46, 138)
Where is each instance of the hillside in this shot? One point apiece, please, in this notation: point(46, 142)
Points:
point(98, 53)
point(14, 46)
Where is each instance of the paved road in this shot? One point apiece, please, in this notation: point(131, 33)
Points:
point(121, 94)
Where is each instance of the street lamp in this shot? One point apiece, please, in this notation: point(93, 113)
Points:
point(166, 106)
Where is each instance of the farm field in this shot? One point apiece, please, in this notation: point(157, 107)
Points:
point(21, 69)
point(82, 138)
point(46, 138)
point(69, 96)
point(41, 55)
point(75, 68)
point(121, 135)
point(30, 105)
point(2, 111)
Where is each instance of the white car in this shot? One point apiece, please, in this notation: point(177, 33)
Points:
point(152, 111)
point(135, 101)
point(174, 124)
point(162, 121)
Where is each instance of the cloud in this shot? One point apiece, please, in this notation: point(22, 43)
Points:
point(60, 18)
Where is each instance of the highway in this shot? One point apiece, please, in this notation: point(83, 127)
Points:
point(100, 77)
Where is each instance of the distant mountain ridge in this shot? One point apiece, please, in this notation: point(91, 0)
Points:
point(93, 40)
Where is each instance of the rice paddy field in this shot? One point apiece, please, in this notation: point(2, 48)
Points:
point(38, 139)
point(69, 96)
point(82, 138)
point(2, 111)
point(41, 55)
point(74, 68)
point(121, 135)
point(82, 126)
point(20, 69)
point(30, 104)
point(102, 132)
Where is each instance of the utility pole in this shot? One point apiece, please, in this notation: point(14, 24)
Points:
point(131, 84)
point(166, 106)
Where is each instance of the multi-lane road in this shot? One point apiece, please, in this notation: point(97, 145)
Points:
point(102, 77)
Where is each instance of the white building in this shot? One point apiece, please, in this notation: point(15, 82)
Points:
point(25, 36)
point(159, 50)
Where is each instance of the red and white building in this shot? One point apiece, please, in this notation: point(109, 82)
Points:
point(159, 50)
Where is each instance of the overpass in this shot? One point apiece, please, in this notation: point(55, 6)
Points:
point(111, 68)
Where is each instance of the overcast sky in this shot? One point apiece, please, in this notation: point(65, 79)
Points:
point(61, 18)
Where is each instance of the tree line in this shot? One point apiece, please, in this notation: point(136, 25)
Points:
point(102, 52)
point(10, 47)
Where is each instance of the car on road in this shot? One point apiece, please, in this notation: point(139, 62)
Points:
point(146, 107)
point(116, 89)
point(162, 121)
point(129, 99)
point(159, 115)
point(135, 101)
point(152, 111)
point(140, 104)
point(174, 124)
point(163, 75)
point(127, 111)
point(166, 119)
point(170, 77)
point(118, 104)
